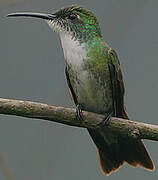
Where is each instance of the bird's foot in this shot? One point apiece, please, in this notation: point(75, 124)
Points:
point(106, 119)
point(79, 115)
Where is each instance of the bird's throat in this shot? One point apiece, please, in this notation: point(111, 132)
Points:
point(74, 51)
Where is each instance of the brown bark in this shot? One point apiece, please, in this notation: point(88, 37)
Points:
point(66, 115)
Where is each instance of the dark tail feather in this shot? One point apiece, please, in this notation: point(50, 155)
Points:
point(136, 154)
point(113, 155)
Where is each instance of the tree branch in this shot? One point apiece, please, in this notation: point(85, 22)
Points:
point(66, 115)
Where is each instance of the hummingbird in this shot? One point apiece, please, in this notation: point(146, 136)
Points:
point(96, 83)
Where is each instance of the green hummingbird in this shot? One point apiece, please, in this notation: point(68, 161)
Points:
point(95, 81)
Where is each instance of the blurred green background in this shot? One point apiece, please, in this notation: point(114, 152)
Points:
point(32, 68)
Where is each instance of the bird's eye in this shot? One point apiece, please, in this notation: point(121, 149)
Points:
point(72, 16)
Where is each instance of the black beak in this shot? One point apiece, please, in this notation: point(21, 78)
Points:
point(31, 14)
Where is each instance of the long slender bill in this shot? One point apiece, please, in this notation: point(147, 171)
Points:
point(32, 14)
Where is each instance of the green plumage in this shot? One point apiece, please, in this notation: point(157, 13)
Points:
point(95, 81)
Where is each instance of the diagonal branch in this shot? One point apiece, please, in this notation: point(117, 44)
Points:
point(66, 115)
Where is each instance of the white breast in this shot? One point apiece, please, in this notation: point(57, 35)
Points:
point(74, 52)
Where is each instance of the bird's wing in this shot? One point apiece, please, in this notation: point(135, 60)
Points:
point(72, 93)
point(117, 84)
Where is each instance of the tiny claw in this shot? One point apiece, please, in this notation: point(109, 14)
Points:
point(106, 120)
point(79, 115)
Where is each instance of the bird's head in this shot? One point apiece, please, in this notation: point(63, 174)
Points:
point(75, 20)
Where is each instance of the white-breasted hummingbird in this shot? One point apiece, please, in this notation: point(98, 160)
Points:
point(95, 81)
